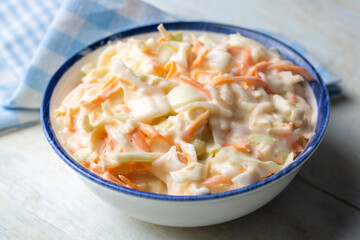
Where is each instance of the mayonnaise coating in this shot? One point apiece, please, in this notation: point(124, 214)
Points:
point(187, 115)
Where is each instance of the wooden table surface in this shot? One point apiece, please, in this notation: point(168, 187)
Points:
point(42, 198)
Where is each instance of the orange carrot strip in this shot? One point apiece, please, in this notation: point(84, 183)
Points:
point(106, 146)
point(139, 139)
point(292, 98)
point(108, 176)
point(190, 131)
point(216, 180)
point(158, 69)
point(148, 51)
point(195, 84)
point(171, 68)
point(245, 81)
point(241, 146)
point(166, 139)
point(96, 168)
point(234, 50)
point(199, 59)
point(196, 47)
point(112, 86)
point(69, 121)
point(160, 40)
point(238, 79)
point(122, 108)
point(109, 90)
point(246, 61)
point(297, 147)
point(96, 102)
point(110, 145)
point(182, 158)
point(290, 125)
point(130, 167)
point(93, 116)
point(128, 182)
point(151, 132)
point(131, 85)
point(259, 67)
point(112, 82)
point(294, 69)
point(198, 72)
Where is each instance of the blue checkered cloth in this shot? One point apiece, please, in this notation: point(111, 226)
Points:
point(32, 49)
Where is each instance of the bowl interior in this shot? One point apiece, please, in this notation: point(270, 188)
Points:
point(69, 75)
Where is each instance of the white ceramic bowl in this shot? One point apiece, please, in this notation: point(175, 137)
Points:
point(182, 211)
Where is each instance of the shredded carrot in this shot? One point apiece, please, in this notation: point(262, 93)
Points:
point(139, 139)
point(241, 146)
point(108, 176)
point(292, 98)
point(294, 69)
point(148, 51)
point(69, 121)
point(93, 116)
point(196, 47)
point(112, 82)
point(297, 147)
point(128, 182)
point(246, 61)
point(245, 81)
point(259, 67)
point(237, 79)
point(200, 58)
point(92, 105)
point(216, 180)
point(158, 69)
point(109, 145)
point(195, 84)
point(182, 158)
point(279, 160)
point(130, 85)
point(190, 131)
point(96, 168)
point(122, 108)
point(161, 39)
point(199, 72)
point(290, 125)
point(110, 88)
point(289, 139)
point(130, 167)
point(173, 70)
point(166, 139)
point(106, 147)
point(151, 132)
point(233, 50)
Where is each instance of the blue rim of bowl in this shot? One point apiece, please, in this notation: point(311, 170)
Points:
point(320, 128)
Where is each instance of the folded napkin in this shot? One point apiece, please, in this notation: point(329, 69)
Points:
point(32, 49)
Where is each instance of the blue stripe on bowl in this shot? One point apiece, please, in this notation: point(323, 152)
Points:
point(287, 52)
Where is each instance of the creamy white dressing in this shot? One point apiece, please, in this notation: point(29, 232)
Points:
point(136, 118)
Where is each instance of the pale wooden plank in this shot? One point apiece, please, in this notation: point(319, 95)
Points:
point(17, 223)
point(335, 165)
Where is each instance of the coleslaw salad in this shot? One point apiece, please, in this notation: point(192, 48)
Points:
point(187, 116)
